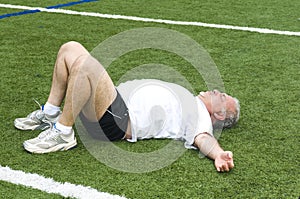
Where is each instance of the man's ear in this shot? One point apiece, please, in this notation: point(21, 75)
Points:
point(220, 115)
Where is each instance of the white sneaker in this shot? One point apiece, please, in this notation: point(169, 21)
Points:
point(51, 140)
point(37, 120)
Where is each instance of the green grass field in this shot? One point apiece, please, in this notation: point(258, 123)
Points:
point(261, 70)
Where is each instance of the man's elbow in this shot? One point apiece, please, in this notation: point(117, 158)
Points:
point(200, 138)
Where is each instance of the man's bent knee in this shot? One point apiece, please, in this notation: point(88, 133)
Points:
point(72, 46)
point(80, 64)
point(71, 50)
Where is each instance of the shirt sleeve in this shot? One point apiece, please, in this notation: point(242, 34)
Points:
point(197, 123)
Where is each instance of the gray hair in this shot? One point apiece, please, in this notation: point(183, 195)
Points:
point(232, 117)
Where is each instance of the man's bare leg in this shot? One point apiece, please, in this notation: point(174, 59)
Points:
point(66, 57)
point(88, 88)
point(82, 81)
point(40, 119)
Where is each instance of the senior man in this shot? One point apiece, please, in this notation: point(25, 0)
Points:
point(149, 109)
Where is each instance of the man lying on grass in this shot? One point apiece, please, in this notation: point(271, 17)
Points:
point(139, 109)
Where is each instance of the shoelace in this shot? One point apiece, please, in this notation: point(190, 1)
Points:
point(45, 133)
point(39, 114)
point(40, 106)
point(52, 132)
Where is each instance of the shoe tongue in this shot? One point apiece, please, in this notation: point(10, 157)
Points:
point(40, 115)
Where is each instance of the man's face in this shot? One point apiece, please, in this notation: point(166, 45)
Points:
point(218, 102)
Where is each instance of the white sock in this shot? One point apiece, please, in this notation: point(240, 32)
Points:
point(50, 109)
point(63, 129)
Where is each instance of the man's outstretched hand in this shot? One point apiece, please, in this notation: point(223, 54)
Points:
point(224, 161)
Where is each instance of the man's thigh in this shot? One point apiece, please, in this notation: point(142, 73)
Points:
point(103, 91)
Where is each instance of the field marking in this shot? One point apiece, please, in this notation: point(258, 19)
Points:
point(48, 7)
point(133, 18)
point(48, 185)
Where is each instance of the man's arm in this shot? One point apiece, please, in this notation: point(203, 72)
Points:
point(210, 147)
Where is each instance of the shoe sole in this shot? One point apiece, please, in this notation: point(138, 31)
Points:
point(23, 127)
point(59, 147)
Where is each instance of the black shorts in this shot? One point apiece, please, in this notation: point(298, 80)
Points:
point(113, 124)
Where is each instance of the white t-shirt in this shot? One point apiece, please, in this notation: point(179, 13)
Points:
point(160, 109)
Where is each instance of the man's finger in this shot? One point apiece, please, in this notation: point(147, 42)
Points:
point(225, 167)
point(229, 155)
point(230, 164)
point(226, 155)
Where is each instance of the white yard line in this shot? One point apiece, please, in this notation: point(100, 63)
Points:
point(48, 185)
point(132, 18)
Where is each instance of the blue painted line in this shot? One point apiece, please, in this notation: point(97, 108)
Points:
point(70, 4)
point(49, 7)
point(19, 13)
